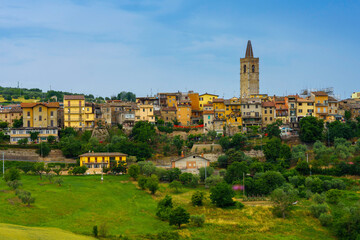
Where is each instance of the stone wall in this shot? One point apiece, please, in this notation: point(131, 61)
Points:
point(30, 154)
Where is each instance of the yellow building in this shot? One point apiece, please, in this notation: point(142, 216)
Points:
point(77, 113)
point(268, 113)
point(304, 108)
point(9, 115)
point(355, 95)
point(184, 114)
point(97, 161)
point(233, 112)
point(40, 114)
point(219, 108)
point(206, 98)
point(171, 100)
point(321, 100)
point(145, 112)
point(17, 134)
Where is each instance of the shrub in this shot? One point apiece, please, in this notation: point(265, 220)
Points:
point(168, 236)
point(142, 182)
point(197, 198)
point(178, 216)
point(209, 172)
point(152, 184)
point(283, 199)
point(57, 171)
point(213, 180)
point(198, 220)
point(12, 174)
point(185, 178)
point(239, 205)
point(14, 184)
point(325, 219)
point(173, 174)
point(221, 195)
point(134, 171)
point(58, 181)
point(176, 186)
point(318, 209)
point(103, 230)
point(194, 181)
point(164, 207)
point(43, 150)
point(333, 196)
point(95, 231)
point(25, 197)
point(318, 199)
point(79, 170)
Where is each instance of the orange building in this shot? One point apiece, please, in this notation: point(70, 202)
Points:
point(184, 114)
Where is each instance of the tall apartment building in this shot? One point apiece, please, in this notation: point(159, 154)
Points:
point(77, 113)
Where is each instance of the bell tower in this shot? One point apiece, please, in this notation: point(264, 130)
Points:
point(249, 73)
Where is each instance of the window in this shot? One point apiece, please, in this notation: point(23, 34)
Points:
point(80, 103)
point(40, 118)
point(40, 109)
point(244, 68)
point(256, 106)
point(300, 110)
point(69, 103)
point(300, 104)
point(270, 111)
point(253, 68)
point(265, 111)
point(265, 118)
point(28, 123)
point(28, 114)
point(52, 113)
point(52, 123)
point(150, 110)
point(143, 109)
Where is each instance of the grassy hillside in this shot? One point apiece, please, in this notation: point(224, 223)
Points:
point(15, 232)
point(83, 202)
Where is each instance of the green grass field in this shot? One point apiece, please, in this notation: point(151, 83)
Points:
point(83, 201)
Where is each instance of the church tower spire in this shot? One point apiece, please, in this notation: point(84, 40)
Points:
point(249, 73)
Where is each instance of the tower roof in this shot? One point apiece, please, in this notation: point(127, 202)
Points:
point(249, 52)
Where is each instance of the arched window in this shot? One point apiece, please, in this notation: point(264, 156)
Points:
point(253, 68)
point(244, 68)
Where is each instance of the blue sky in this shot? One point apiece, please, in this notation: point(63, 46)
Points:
point(104, 47)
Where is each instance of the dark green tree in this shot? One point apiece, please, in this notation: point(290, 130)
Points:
point(221, 195)
point(43, 150)
point(236, 171)
point(275, 150)
point(179, 216)
point(273, 129)
point(143, 132)
point(311, 129)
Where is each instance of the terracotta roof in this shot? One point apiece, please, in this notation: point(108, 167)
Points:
point(209, 94)
point(168, 109)
point(304, 100)
point(218, 100)
point(249, 52)
point(332, 99)
point(74, 97)
point(46, 104)
point(191, 155)
point(320, 93)
point(103, 154)
point(208, 112)
point(268, 104)
point(15, 110)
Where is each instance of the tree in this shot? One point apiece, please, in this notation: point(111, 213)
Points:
point(275, 150)
point(176, 186)
point(197, 198)
point(238, 141)
point(273, 129)
point(38, 168)
point(179, 216)
point(26, 197)
point(143, 132)
point(298, 152)
point(223, 161)
point(311, 129)
point(333, 196)
point(303, 168)
point(283, 200)
point(51, 139)
point(17, 123)
point(347, 115)
point(43, 150)
point(173, 174)
point(164, 207)
point(23, 141)
point(221, 195)
point(213, 180)
point(152, 184)
point(225, 143)
point(178, 142)
point(134, 171)
point(236, 171)
point(34, 136)
point(4, 124)
point(185, 178)
point(209, 172)
point(12, 174)
point(142, 182)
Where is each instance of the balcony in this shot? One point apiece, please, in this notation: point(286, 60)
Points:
point(321, 104)
point(251, 115)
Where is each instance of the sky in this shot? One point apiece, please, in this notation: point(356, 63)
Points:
point(104, 47)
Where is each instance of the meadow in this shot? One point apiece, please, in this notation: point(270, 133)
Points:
point(117, 204)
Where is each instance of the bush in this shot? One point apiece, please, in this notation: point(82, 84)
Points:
point(43, 150)
point(95, 231)
point(333, 196)
point(221, 195)
point(325, 219)
point(164, 207)
point(198, 220)
point(58, 181)
point(152, 184)
point(12, 174)
point(79, 170)
point(14, 184)
point(142, 182)
point(213, 180)
point(25, 197)
point(168, 236)
point(318, 209)
point(178, 216)
point(173, 174)
point(209, 172)
point(134, 171)
point(197, 198)
point(194, 181)
point(239, 205)
point(185, 178)
point(318, 199)
point(176, 186)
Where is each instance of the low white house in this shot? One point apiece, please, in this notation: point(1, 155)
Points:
point(190, 163)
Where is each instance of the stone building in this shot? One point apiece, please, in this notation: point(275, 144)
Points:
point(190, 163)
point(249, 73)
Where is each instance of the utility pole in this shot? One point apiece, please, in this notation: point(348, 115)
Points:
point(307, 160)
point(3, 165)
point(243, 185)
